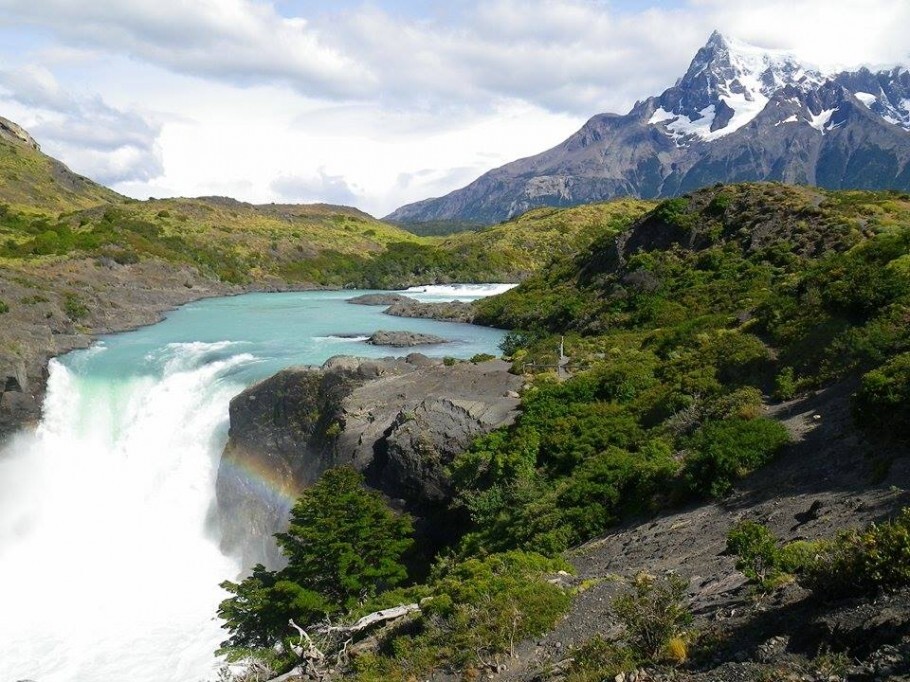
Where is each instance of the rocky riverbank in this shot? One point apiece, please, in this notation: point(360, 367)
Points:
point(448, 311)
point(400, 421)
point(62, 305)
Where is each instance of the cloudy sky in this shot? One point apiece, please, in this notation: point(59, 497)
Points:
point(370, 103)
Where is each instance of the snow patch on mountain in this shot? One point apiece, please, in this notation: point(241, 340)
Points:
point(733, 81)
point(866, 98)
point(822, 121)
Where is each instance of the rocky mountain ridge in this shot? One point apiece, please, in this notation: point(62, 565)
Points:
point(738, 114)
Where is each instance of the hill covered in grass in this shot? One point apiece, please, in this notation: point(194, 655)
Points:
point(36, 183)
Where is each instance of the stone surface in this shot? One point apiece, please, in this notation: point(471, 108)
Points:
point(399, 421)
point(449, 311)
point(401, 339)
point(379, 299)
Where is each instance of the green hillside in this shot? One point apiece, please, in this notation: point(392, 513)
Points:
point(48, 213)
point(34, 182)
point(675, 330)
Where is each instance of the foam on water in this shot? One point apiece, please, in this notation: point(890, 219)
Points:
point(460, 292)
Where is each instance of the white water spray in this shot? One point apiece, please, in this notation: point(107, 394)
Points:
point(107, 568)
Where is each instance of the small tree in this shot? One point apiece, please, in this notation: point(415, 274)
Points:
point(343, 544)
point(343, 540)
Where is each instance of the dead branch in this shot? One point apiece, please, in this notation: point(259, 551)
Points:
point(371, 619)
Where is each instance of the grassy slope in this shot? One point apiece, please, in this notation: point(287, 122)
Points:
point(48, 213)
point(532, 240)
point(33, 182)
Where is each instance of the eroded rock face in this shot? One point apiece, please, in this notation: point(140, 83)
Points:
point(400, 421)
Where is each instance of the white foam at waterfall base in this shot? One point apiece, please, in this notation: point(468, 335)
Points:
point(106, 505)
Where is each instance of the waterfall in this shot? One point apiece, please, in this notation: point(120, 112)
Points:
point(109, 566)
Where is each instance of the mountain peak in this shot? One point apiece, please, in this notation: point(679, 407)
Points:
point(718, 41)
point(740, 112)
point(727, 85)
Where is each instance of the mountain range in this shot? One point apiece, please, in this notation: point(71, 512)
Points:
point(740, 113)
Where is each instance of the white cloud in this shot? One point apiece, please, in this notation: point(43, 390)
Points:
point(330, 189)
point(235, 40)
point(845, 33)
point(107, 144)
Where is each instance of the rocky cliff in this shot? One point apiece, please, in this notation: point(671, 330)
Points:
point(398, 421)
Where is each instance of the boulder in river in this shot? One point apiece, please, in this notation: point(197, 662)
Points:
point(380, 299)
point(398, 339)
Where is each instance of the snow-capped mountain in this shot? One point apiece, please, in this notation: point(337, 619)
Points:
point(740, 113)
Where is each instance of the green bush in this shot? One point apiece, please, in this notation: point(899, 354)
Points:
point(74, 307)
point(883, 399)
point(343, 541)
point(654, 614)
point(785, 384)
point(598, 659)
point(4, 307)
point(474, 610)
point(757, 552)
point(482, 357)
point(862, 562)
point(722, 452)
point(675, 212)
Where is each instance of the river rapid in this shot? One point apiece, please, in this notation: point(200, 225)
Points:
point(109, 558)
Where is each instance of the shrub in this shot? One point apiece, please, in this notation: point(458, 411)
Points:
point(757, 552)
point(482, 357)
point(343, 541)
point(762, 560)
point(862, 562)
point(883, 400)
point(724, 451)
point(476, 609)
point(74, 307)
point(654, 614)
point(4, 307)
point(785, 384)
point(343, 544)
point(599, 659)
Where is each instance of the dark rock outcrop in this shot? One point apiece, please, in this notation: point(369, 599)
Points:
point(397, 339)
point(448, 311)
point(399, 421)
